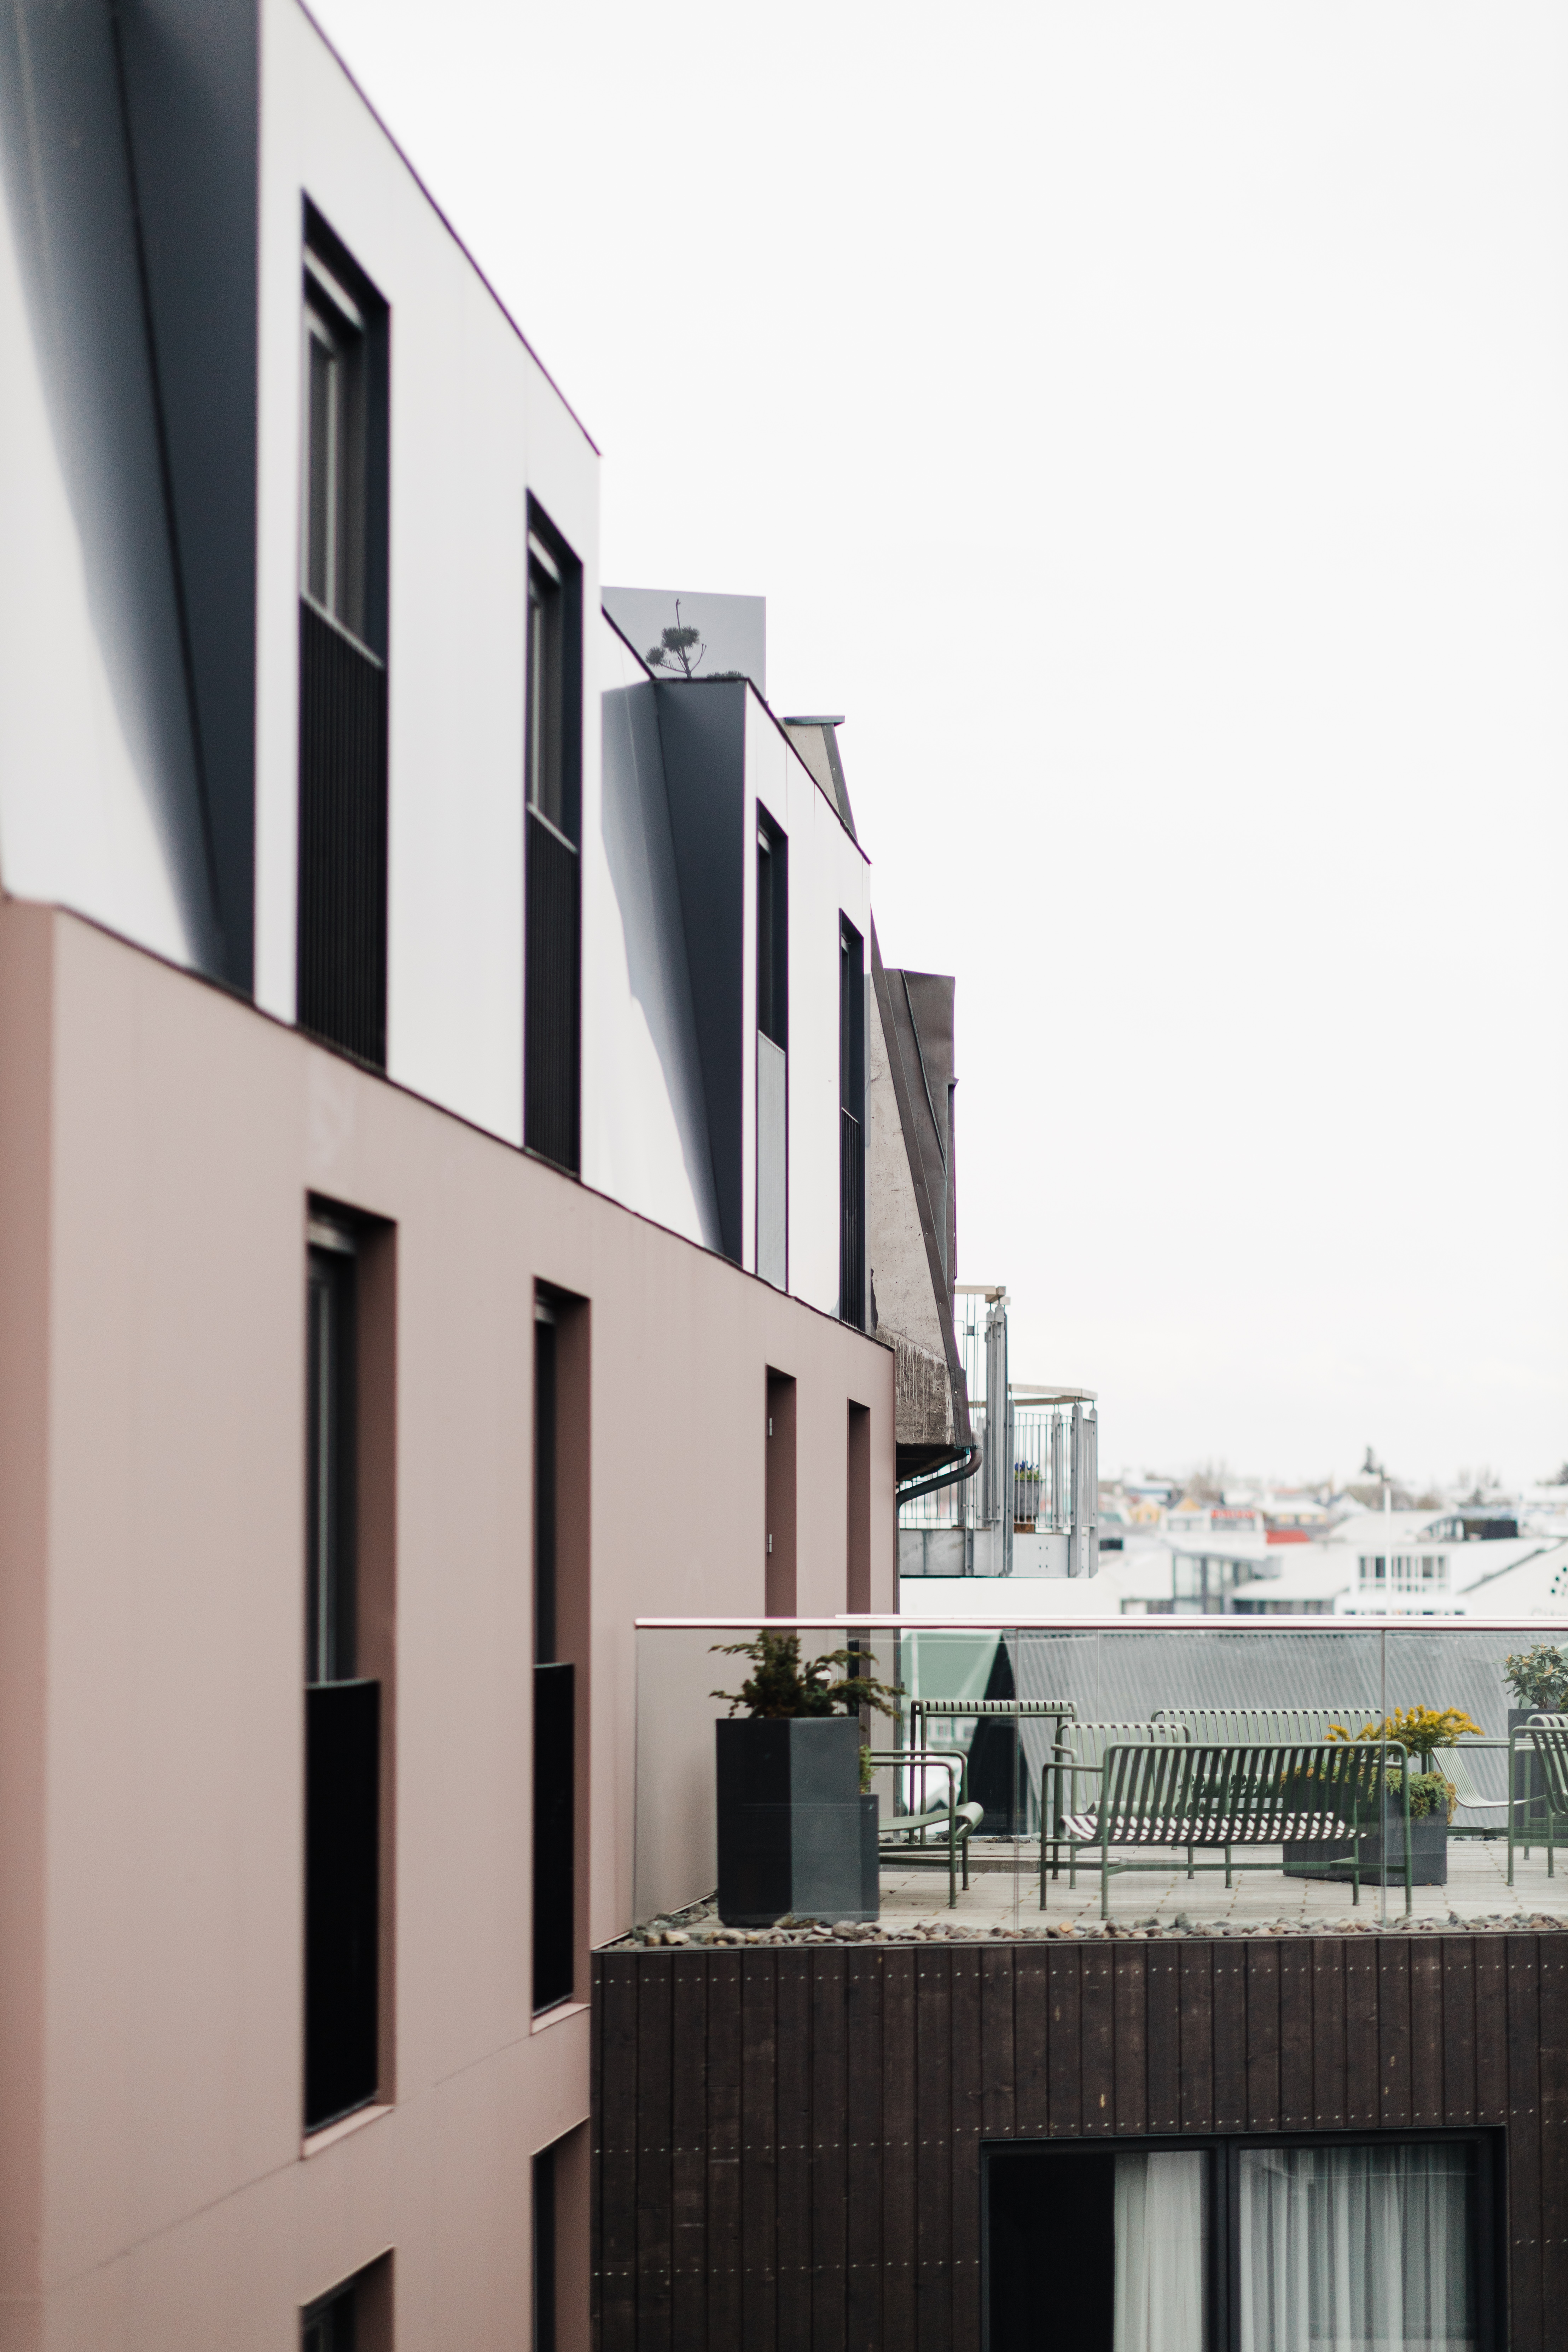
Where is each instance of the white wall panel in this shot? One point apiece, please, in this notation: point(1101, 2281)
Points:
point(475, 423)
point(828, 872)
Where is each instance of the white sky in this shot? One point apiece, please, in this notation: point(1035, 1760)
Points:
point(1146, 420)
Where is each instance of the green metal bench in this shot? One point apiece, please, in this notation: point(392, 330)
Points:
point(1184, 1797)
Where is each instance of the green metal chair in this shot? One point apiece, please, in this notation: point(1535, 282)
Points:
point(1545, 1740)
point(954, 1820)
point(1081, 1749)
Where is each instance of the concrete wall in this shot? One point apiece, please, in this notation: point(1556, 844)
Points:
point(158, 1142)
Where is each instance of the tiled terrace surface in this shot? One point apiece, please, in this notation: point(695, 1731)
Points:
point(1478, 1889)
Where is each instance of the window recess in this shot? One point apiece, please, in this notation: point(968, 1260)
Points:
point(772, 1051)
point(340, 952)
point(553, 785)
point(343, 1712)
point(851, 1124)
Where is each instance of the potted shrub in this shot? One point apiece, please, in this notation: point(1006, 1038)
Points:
point(1539, 1680)
point(1424, 1732)
point(798, 1831)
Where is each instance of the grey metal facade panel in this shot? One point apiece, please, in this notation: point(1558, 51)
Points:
point(192, 84)
point(702, 730)
point(923, 1010)
point(635, 825)
point(66, 164)
point(888, 993)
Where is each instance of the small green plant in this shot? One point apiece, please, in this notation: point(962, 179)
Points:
point(865, 1772)
point(780, 1686)
point(1417, 1728)
point(1539, 1678)
point(1430, 1793)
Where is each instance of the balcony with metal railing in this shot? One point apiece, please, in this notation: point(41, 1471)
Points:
point(1031, 1505)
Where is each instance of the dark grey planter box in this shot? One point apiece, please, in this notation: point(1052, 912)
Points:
point(792, 1821)
point(1428, 1855)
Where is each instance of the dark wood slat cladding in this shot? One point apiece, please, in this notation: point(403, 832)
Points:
point(655, 2248)
point(966, 1993)
point(795, 2155)
point(724, 2255)
point(1031, 2025)
point(787, 2141)
point(863, 2218)
point(1262, 1962)
point(898, 2061)
point(1553, 2066)
point(1164, 2037)
point(340, 931)
point(1426, 2036)
point(1064, 2066)
point(1458, 2030)
point(1523, 2009)
point(1394, 2036)
point(689, 2152)
point(617, 2158)
point(1097, 2042)
point(1361, 2034)
point(1129, 2013)
point(1197, 2036)
point(933, 2129)
point(1229, 2056)
point(758, 2150)
point(829, 2146)
point(1295, 2035)
point(1328, 2092)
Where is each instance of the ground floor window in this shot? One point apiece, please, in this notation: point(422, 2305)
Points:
point(1371, 2245)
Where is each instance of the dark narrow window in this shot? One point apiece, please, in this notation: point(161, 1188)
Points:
point(554, 1711)
point(851, 1125)
point(328, 2325)
point(857, 1510)
point(340, 952)
point(779, 1497)
point(773, 1052)
point(545, 2336)
point(552, 757)
point(342, 1710)
point(355, 2316)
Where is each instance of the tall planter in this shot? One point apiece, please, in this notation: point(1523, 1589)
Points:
point(792, 1821)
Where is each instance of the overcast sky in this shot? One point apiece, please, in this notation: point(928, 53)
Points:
point(1146, 420)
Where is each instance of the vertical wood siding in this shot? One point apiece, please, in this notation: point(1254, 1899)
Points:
point(787, 2142)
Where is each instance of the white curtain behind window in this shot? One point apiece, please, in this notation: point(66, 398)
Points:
point(1160, 2254)
point(1356, 2249)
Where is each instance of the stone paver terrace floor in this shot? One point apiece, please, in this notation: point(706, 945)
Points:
point(1004, 1891)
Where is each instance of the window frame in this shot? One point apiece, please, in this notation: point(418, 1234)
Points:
point(1224, 2150)
point(341, 311)
point(331, 1526)
point(548, 558)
